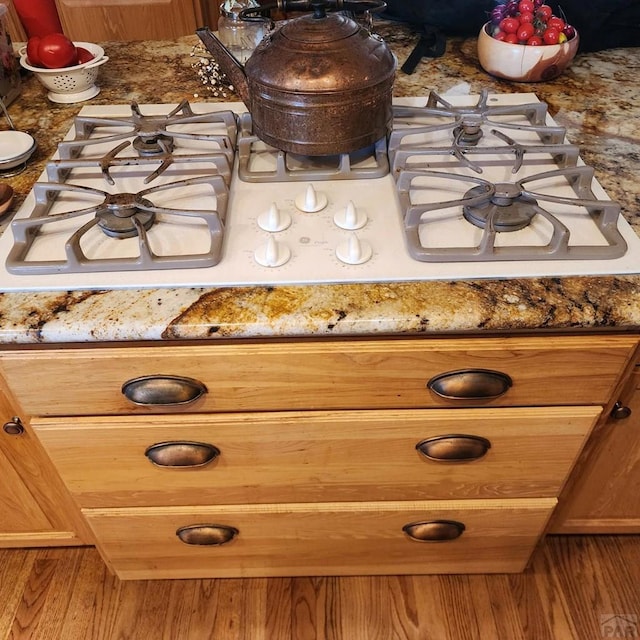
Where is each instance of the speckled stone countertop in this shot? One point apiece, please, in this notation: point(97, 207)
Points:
point(597, 100)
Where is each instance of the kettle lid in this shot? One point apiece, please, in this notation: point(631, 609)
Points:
point(310, 29)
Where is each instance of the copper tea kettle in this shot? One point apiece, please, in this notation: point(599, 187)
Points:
point(319, 84)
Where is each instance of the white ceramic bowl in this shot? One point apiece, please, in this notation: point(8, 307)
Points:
point(16, 147)
point(70, 84)
point(522, 62)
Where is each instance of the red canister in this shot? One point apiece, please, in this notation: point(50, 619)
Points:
point(38, 17)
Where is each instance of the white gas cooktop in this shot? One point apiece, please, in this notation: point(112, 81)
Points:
point(302, 230)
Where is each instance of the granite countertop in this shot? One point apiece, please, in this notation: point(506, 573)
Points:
point(597, 100)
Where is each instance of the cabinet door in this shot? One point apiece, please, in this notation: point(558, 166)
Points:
point(35, 508)
point(604, 496)
point(100, 20)
point(19, 511)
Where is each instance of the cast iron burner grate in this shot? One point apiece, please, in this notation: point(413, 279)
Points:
point(259, 162)
point(508, 207)
point(59, 170)
point(119, 215)
point(459, 132)
point(153, 134)
point(485, 182)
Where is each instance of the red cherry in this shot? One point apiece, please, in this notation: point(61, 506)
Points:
point(509, 25)
point(525, 31)
point(556, 23)
point(544, 12)
point(526, 6)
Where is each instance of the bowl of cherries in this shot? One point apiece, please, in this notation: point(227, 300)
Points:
point(525, 41)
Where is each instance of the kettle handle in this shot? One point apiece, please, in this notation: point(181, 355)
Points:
point(317, 6)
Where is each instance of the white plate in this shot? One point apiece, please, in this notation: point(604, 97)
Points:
point(15, 148)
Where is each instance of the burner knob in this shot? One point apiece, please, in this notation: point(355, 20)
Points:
point(272, 254)
point(354, 250)
point(311, 200)
point(274, 219)
point(350, 217)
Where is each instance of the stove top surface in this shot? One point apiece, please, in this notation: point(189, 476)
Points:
point(323, 229)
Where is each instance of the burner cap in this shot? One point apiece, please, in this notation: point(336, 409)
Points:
point(508, 208)
point(468, 134)
point(153, 146)
point(116, 215)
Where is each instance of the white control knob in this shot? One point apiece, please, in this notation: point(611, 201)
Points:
point(350, 217)
point(311, 200)
point(272, 254)
point(274, 219)
point(354, 250)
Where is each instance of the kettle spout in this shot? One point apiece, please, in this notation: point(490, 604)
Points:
point(228, 63)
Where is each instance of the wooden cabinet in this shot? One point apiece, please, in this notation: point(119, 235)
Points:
point(35, 507)
point(16, 31)
point(303, 457)
point(604, 495)
point(104, 20)
point(330, 434)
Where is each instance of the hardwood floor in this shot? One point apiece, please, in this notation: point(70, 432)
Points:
point(573, 589)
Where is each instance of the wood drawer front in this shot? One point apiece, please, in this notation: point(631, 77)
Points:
point(320, 539)
point(341, 374)
point(316, 456)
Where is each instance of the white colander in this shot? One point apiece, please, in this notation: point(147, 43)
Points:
point(70, 84)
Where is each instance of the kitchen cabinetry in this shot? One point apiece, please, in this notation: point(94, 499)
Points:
point(104, 20)
point(16, 32)
point(604, 495)
point(318, 457)
point(35, 508)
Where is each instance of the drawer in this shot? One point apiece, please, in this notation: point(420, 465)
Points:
point(335, 374)
point(317, 456)
point(320, 539)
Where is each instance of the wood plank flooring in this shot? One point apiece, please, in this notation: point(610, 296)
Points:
point(572, 589)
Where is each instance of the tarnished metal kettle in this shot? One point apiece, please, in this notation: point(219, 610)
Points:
point(319, 84)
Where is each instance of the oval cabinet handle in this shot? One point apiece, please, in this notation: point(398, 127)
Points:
point(470, 384)
point(211, 535)
point(434, 530)
point(454, 447)
point(163, 390)
point(182, 453)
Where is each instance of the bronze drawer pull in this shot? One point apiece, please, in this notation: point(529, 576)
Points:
point(434, 530)
point(162, 390)
point(454, 447)
point(211, 535)
point(470, 384)
point(182, 453)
